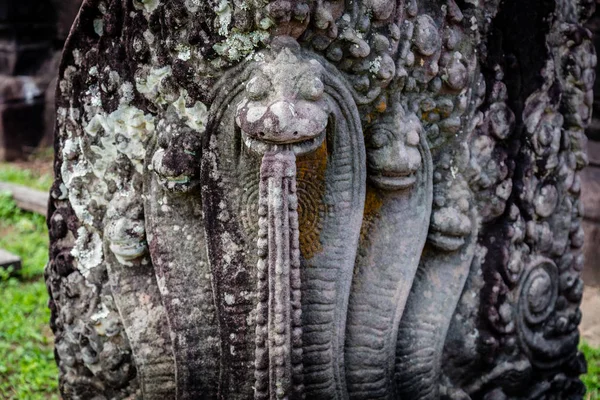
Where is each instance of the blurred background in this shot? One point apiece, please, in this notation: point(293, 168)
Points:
point(32, 34)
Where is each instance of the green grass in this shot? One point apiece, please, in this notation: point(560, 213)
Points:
point(27, 367)
point(24, 234)
point(12, 174)
point(592, 378)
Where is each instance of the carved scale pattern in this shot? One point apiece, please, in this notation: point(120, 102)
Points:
point(279, 310)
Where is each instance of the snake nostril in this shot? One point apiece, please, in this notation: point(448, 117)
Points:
point(296, 133)
point(261, 134)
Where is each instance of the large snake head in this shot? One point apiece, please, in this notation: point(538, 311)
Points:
point(283, 102)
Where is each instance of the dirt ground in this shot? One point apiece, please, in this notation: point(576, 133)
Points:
point(590, 308)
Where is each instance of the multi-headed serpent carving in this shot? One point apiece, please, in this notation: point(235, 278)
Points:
point(319, 199)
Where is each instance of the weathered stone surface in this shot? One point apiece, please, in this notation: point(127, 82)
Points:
point(321, 200)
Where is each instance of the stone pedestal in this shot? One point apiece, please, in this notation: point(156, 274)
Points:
point(297, 199)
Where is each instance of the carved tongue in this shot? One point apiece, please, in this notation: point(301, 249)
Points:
point(278, 321)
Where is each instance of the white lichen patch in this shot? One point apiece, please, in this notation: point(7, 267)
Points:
point(232, 248)
point(87, 250)
point(93, 94)
point(144, 318)
point(109, 324)
point(229, 299)
point(240, 45)
point(126, 93)
point(224, 13)
point(195, 117)
point(184, 52)
point(149, 36)
point(375, 65)
point(78, 178)
point(102, 313)
point(66, 84)
point(125, 131)
point(147, 5)
point(148, 82)
point(77, 57)
point(192, 5)
point(474, 26)
point(99, 27)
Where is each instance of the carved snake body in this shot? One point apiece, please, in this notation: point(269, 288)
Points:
point(282, 112)
point(285, 272)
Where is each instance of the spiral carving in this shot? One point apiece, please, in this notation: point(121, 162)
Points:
point(539, 319)
point(539, 291)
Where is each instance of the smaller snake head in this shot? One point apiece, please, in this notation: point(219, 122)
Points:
point(176, 162)
point(125, 229)
point(450, 222)
point(393, 156)
point(284, 104)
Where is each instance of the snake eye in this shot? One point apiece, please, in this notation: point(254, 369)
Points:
point(311, 88)
point(258, 87)
point(378, 139)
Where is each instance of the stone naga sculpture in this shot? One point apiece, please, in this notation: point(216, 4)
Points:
point(320, 200)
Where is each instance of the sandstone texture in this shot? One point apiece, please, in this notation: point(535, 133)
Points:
point(315, 199)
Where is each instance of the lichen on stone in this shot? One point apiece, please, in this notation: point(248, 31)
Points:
point(125, 131)
point(223, 20)
point(147, 5)
point(195, 117)
point(239, 45)
point(87, 250)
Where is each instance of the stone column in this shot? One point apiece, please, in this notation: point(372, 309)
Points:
point(292, 199)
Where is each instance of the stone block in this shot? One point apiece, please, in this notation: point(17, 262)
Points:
point(9, 260)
